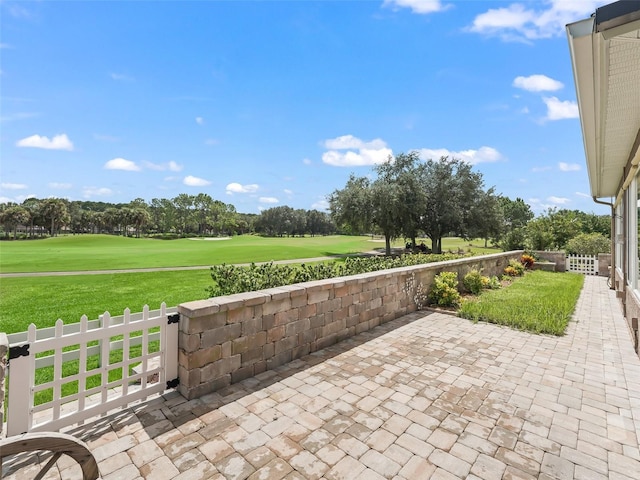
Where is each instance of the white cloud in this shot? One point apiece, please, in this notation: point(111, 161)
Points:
point(581, 194)
point(568, 167)
point(518, 23)
point(495, 20)
point(174, 167)
point(5, 45)
point(237, 188)
point(19, 11)
point(58, 142)
point(558, 200)
point(60, 186)
point(19, 116)
point(13, 186)
point(153, 166)
point(121, 77)
point(268, 200)
point(200, 120)
point(559, 110)
point(360, 153)
point(353, 159)
point(307, 161)
point(320, 205)
point(537, 83)
point(541, 169)
point(122, 164)
point(473, 157)
point(417, 6)
point(288, 192)
point(349, 142)
point(211, 141)
point(192, 181)
point(88, 192)
point(160, 167)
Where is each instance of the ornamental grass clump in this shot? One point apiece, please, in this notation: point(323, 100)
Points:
point(444, 292)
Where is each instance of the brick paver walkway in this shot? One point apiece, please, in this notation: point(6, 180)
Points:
point(425, 396)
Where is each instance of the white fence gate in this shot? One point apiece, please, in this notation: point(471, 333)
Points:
point(585, 264)
point(84, 344)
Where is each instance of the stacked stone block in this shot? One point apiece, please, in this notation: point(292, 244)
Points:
point(227, 339)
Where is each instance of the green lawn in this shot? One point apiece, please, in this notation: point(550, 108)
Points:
point(539, 302)
point(107, 252)
point(42, 300)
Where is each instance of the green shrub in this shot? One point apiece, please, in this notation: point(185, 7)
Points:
point(494, 283)
point(444, 291)
point(514, 240)
point(589, 244)
point(474, 282)
point(230, 279)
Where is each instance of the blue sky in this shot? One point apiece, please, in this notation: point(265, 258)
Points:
point(261, 104)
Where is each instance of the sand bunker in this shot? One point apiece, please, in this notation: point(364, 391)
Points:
point(211, 239)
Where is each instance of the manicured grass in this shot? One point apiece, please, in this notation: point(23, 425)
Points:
point(539, 302)
point(107, 252)
point(42, 300)
point(45, 374)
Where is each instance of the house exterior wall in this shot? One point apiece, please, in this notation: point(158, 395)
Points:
point(630, 307)
point(4, 363)
point(227, 339)
point(626, 242)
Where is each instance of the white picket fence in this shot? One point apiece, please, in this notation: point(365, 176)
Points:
point(585, 264)
point(40, 348)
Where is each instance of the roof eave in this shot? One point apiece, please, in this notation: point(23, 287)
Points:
point(581, 47)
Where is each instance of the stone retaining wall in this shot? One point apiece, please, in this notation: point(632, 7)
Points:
point(226, 339)
point(559, 258)
point(604, 264)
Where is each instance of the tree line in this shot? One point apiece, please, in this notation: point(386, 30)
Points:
point(409, 198)
point(184, 215)
point(402, 198)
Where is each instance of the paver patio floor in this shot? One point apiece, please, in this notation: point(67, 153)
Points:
point(425, 396)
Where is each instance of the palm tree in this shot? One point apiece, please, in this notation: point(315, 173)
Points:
point(14, 216)
point(34, 207)
point(55, 211)
point(140, 217)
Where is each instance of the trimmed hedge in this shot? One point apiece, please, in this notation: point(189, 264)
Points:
point(230, 279)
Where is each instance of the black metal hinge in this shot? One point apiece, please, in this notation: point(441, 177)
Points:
point(173, 318)
point(19, 351)
point(173, 383)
